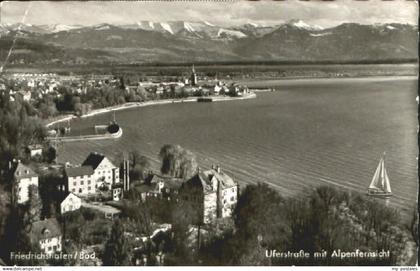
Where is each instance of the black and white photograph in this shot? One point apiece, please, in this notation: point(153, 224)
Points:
point(209, 133)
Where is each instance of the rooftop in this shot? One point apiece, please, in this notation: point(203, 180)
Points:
point(35, 147)
point(225, 180)
point(79, 171)
point(205, 178)
point(23, 171)
point(93, 160)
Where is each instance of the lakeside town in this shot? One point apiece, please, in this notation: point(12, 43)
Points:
point(133, 215)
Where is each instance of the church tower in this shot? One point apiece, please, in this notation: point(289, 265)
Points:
point(193, 77)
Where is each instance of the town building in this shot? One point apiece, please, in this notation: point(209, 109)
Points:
point(97, 171)
point(47, 234)
point(165, 187)
point(70, 203)
point(23, 177)
point(117, 192)
point(212, 193)
point(80, 180)
point(160, 187)
point(35, 150)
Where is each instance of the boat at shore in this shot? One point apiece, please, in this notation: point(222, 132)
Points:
point(204, 99)
point(380, 185)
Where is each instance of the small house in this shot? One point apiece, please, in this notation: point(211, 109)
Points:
point(70, 203)
point(47, 235)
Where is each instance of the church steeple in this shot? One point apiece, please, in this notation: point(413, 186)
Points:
point(193, 76)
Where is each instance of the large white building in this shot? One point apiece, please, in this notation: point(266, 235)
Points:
point(24, 177)
point(97, 171)
point(212, 193)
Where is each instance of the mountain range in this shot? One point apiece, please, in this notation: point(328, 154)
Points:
point(181, 41)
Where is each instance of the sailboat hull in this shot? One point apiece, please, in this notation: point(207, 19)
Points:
point(379, 194)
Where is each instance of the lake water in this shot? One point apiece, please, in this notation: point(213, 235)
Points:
point(309, 133)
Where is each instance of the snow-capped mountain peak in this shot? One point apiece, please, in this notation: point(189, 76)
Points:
point(188, 27)
point(230, 33)
point(301, 24)
point(167, 27)
point(207, 23)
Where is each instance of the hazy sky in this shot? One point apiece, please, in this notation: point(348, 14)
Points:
point(223, 13)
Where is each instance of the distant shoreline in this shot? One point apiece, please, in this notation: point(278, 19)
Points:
point(144, 104)
point(253, 82)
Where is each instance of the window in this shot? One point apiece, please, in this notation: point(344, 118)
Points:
point(49, 248)
point(88, 181)
point(82, 176)
point(80, 190)
point(89, 188)
point(74, 183)
point(232, 198)
point(73, 190)
point(81, 182)
point(54, 248)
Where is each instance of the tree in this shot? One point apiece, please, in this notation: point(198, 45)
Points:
point(34, 205)
point(116, 249)
point(266, 226)
point(414, 226)
point(139, 166)
point(140, 218)
point(122, 84)
point(183, 217)
point(177, 162)
point(50, 153)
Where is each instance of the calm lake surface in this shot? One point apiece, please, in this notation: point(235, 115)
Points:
point(309, 133)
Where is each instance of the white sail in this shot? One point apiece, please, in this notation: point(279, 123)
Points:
point(382, 174)
point(380, 180)
point(374, 183)
point(387, 186)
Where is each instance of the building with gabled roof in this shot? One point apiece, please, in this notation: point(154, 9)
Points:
point(105, 173)
point(34, 150)
point(165, 187)
point(212, 193)
point(23, 177)
point(70, 203)
point(47, 234)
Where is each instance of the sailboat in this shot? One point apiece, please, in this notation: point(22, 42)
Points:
point(380, 186)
